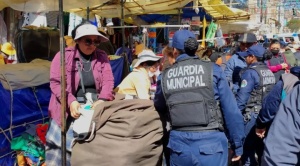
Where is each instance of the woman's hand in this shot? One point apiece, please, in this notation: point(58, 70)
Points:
point(284, 65)
point(96, 103)
point(74, 109)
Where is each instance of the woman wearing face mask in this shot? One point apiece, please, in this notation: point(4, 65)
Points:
point(138, 83)
point(277, 64)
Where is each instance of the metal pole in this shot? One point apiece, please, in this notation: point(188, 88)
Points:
point(88, 13)
point(179, 22)
point(261, 11)
point(63, 85)
point(266, 14)
point(122, 24)
point(279, 22)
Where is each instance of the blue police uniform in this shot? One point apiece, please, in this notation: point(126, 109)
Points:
point(206, 147)
point(255, 79)
point(250, 81)
point(277, 94)
point(282, 145)
point(232, 70)
point(237, 62)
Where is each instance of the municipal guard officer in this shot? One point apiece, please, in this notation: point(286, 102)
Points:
point(197, 95)
point(273, 99)
point(257, 81)
point(237, 62)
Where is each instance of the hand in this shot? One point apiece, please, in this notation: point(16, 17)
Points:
point(236, 158)
point(96, 103)
point(74, 109)
point(284, 65)
point(260, 132)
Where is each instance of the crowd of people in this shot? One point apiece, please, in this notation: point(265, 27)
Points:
point(242, 105)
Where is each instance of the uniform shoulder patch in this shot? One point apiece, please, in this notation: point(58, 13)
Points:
point(244, 83)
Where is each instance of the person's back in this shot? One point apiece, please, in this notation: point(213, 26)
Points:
point(137, 83)
point(290, 58)
point(192, 88)
point(282, 142)
point(236, 63)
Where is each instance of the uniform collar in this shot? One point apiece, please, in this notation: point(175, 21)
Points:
point(184, 56)
point(256, 64)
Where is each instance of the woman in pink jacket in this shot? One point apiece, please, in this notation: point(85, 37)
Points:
point(277, 64)
point(97, 79)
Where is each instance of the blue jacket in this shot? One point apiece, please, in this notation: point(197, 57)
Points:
point(270, 106)
point(232, 116)
point(232, 70)
point(250, 81)
point(282, 145)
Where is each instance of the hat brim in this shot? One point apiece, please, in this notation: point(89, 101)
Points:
point(243, 54)
point(10, 53)
point(146, 59)
point(102, 38)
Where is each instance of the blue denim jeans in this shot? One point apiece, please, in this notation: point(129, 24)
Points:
point(205, 148)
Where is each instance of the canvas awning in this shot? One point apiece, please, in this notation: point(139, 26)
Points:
point(112, 8)
point(218, 10)
point(136, 7)
point(47, 5)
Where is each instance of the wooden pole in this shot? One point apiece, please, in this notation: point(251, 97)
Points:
point(63, 86)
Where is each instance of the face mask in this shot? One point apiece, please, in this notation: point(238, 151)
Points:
point(157, 73)
point(275, 52)
point(150, 74)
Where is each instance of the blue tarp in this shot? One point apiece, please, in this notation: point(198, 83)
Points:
point(153, 18)
point(117, 68)
point(187, 10)
point(26, 104)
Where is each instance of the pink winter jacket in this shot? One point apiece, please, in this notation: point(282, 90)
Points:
point(104, 80)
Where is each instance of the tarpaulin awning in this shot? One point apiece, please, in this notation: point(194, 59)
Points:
point(218, 10)
point(47, 5)
point(136, 7)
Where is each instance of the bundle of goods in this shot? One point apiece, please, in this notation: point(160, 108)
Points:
point(32, 43)
point(24, 100)
point(124, 132)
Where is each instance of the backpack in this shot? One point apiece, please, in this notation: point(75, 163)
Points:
point(290, 58)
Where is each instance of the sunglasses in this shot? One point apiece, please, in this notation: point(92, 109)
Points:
point(89, 42)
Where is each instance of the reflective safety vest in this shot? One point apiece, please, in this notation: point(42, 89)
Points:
point(188, 89)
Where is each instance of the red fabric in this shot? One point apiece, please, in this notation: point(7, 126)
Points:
point(41, 130)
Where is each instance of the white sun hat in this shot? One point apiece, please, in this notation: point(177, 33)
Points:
point(88, 29)
point(146, 55)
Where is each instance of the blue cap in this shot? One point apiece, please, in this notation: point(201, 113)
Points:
point(180, 37)
point(295, 71)
point(283, 44)
point(256, 50)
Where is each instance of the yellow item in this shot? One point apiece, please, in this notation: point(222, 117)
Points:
point(2, 62)
point(8, 49)
point(69, 41)
point(21, 159)
point(136, 83)
point(203, 33)
point(139, 48)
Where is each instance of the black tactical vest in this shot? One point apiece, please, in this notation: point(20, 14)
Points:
point(267, 81)
point(188, 89)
